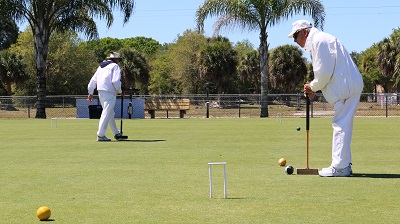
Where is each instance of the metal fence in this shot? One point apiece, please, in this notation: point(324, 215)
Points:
point(211, 106)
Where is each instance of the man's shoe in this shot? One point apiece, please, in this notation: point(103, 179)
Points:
point(103, 139)
point(335, 172)
point(119, 136)
point(347, 171)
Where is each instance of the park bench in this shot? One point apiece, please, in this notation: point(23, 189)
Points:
point(153, 105)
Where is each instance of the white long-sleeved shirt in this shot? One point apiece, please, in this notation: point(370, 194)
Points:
point(335, 73)
point(106, 78)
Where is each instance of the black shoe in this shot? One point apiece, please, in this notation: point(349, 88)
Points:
point(119, 136)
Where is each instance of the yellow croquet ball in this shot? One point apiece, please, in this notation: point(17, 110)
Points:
point(282, 161)
point(43, 213)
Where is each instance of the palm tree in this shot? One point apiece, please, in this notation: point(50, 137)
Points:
point(12, 69)
point(369, 69)
point(388, 61)
point(258, 15)
point(135, 70)
point(47, 16)
point(8, 32)
point(287, 68)
point(217, 61)
point(248, 70)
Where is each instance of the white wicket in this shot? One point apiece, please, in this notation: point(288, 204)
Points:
point(210, 172)
point(56, 122)
point(279, 118)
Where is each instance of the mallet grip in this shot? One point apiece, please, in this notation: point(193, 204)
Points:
point(307, 112)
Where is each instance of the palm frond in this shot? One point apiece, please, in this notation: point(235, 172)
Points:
point(314, 8)
point(125, 6)
point(256, 14)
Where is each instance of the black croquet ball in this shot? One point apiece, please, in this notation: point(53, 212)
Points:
point(289, 169)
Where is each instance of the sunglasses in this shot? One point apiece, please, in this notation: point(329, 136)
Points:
point(296, 33)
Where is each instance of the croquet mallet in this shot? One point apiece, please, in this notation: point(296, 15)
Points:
point(307, 170)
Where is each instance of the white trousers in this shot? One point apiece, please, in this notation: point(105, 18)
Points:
point(107, 101)
point(342, 124)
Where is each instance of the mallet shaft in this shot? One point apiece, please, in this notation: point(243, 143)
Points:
point(307, 127)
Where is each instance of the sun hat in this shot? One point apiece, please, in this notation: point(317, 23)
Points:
point(114, 55)
point(299, 24)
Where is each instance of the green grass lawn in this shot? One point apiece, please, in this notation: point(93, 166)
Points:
point(161, 174)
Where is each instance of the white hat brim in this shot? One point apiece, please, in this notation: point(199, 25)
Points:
point(291, 34)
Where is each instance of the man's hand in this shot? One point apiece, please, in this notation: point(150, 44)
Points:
point(307, 89)
point(90, 98)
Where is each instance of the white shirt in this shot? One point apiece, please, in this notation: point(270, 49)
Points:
point(335, 73)
point(107, 78)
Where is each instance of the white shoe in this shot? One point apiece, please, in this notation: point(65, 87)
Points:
point(335, 172)
point(103, 139)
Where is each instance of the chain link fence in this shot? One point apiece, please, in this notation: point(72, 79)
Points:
point(208, 106)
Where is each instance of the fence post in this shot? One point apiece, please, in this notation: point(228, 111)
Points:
point(298, 98)
point(239, 105)
point(207, 100)
point(386, 95)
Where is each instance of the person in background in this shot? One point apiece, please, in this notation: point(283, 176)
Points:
point(336, 75)
point(107, 80)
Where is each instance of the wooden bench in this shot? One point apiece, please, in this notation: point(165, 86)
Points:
point(153, 105)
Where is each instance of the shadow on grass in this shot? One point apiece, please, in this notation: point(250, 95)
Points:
point(376, 175)
point(139, 140)
point(49, 220)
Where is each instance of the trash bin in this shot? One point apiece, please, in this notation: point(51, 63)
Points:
point(95, 111)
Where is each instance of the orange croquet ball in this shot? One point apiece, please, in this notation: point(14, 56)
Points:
point(282, 161)
point(43, 213)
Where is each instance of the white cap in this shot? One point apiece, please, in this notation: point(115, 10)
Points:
point(299, 24)
point(114, 55)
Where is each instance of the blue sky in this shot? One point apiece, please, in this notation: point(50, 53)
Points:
point(357, 23)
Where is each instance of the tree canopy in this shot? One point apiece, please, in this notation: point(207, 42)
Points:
point(8, 32)
point(258, 15)
point(46, 16)
point(287, 69)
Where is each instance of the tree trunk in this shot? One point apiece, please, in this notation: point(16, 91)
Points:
point(41, 94)
point(263, 51)
point(8, 88)
point(41, 40)
point(219, 83)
